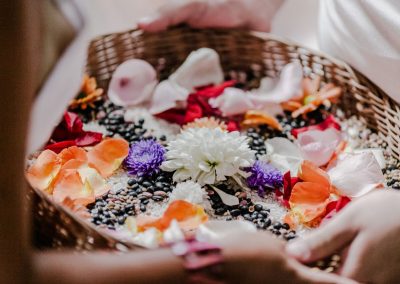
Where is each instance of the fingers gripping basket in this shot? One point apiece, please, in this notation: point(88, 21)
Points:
point(241, 52)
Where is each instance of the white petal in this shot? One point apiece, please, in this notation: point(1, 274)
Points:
point(166, 95)
point(288, 86)
point(284, 147)
point(202, 67)
point(148, 239)
point(233, 101)
point(378, 153)
point(227, 199)
point(173, 233)
point(356, 174)
point(188, 191)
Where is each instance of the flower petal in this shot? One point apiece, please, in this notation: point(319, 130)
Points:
point(308, 172)
point(318, 146)
point(69, 185)
point(201, 68)
point(232, 102)
point(72, 153)
point(329, 122)
point(355, 175)
point(255, 118)
point(288, 87)
point(308, 200)
point(166, 95)
point(43, 171)
point(189, 216)
point(132, 83)
point(93, 179)
point(226, 198)
point(108, 155)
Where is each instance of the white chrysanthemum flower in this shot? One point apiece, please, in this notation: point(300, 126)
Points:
point(208, 155)
point(189, 191)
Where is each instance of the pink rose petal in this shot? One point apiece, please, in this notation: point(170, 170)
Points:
point(318, 146)
point(166, 96)
point(132, 83)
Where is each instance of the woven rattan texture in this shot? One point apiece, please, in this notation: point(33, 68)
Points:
point(241, 51)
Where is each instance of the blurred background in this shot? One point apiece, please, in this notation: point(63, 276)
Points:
point(111, 16)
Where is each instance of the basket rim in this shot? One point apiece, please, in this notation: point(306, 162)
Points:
point(86, 224)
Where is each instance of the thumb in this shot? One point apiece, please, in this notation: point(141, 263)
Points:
point(325, 240)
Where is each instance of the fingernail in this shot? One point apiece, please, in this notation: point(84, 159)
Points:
point(298, 250)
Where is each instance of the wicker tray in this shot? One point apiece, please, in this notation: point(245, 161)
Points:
point(259, 54)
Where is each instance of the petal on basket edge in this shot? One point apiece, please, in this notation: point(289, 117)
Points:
point(132, 83)
point(44, 170)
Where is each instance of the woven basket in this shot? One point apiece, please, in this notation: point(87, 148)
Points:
point(241, 52)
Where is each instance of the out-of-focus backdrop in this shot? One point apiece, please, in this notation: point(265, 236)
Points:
point(296, 22)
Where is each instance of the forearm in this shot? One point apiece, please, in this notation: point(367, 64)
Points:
point(102, 267)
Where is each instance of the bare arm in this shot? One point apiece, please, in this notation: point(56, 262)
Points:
point(102, 267)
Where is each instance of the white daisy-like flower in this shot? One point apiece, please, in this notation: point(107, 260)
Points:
point(208, 155)
point(189, 191)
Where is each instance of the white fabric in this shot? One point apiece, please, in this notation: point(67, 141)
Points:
point(365, 34)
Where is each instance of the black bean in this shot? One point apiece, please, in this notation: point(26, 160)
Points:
point(220, 211)
point(235, 212)
point(258, 207)
point(158, 198)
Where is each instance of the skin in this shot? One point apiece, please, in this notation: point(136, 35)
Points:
point(366, 233)
point(20, 263)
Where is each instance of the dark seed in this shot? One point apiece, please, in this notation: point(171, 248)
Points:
point(258, 207)
point(235, 212)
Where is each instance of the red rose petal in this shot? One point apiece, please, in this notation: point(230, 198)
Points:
point(59, 146)
point(330, 121)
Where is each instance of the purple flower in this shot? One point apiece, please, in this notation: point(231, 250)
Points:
point(145, 158)
point(264, 175)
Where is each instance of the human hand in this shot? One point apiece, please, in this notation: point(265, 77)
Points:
point(252, 14)
point(260, 258)
point(367, 233)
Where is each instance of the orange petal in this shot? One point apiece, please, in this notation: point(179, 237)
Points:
point(43, 171)
point(108, 155)
point(291, 105)
point(72, 153)
point(188, 215)
point(311, 173)
point(94, 180)
point(69, 185)
point(254, 118)
point(307, 108)
point(308, 201)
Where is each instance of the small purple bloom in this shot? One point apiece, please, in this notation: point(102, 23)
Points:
point(145, 158)
point(263, 175)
